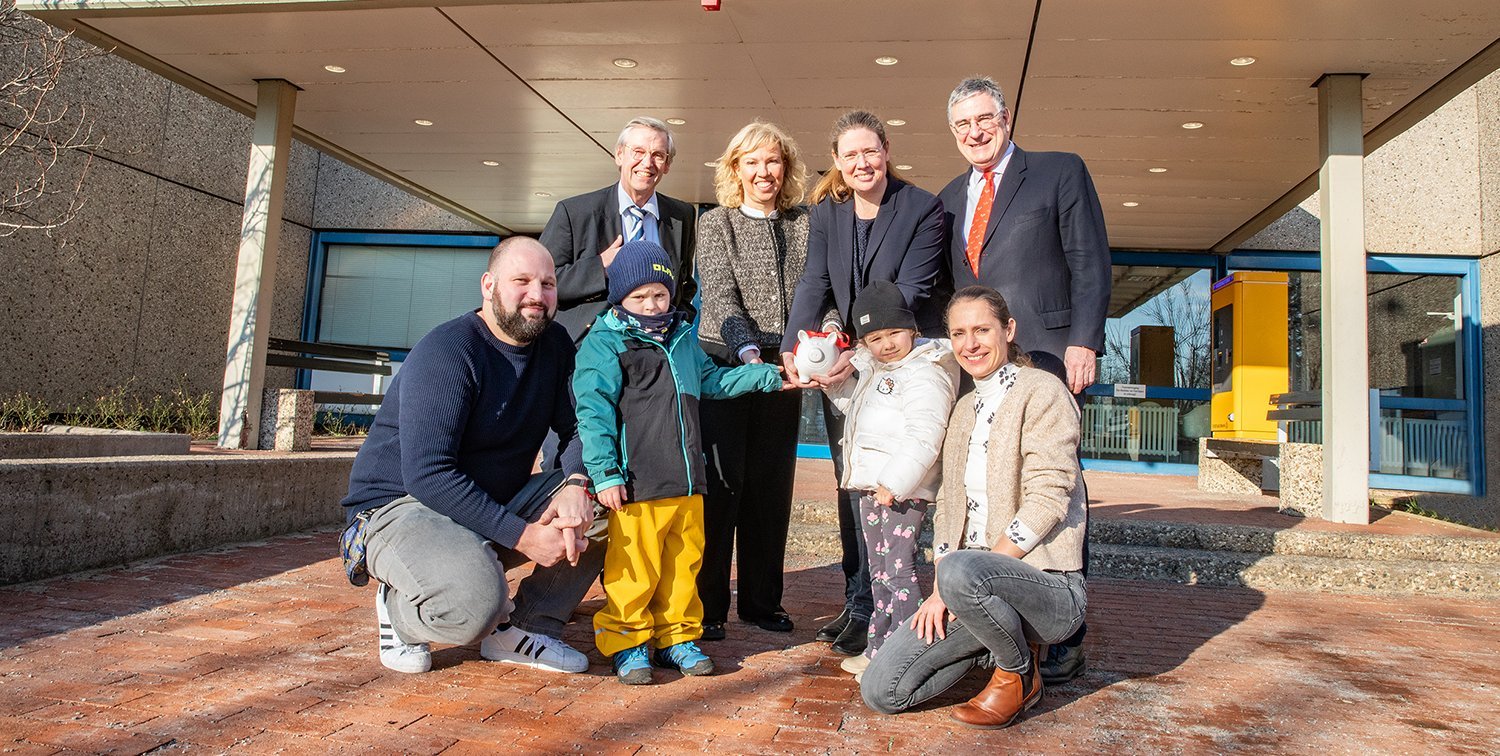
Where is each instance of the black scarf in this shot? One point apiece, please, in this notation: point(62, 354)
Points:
point(656, 327)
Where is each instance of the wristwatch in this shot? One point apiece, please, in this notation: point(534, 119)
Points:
point(583, 483)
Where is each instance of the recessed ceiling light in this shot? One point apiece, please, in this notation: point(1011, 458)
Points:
point(886, 60)
point(710, 164)
point(543, 194)
point(335, 69)
point(1243, 60)
point(1193, 125)
point(422, 122)
point(676, 121)
point(491, 163)
point(903, 167)
point(895, 122)
point(624, 63)
point(1131, 204)
point(1157, 170)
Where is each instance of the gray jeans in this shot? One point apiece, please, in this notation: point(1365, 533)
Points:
point(1001, 604)
point(447, 583)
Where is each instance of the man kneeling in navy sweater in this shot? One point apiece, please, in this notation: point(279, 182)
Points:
point(445, 481)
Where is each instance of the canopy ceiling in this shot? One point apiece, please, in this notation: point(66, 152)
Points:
point(533, 87)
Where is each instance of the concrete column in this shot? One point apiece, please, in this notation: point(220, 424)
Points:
point(254, 281)
point(1345, 331)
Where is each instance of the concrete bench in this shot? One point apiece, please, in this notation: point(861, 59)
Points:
point(1250, 467)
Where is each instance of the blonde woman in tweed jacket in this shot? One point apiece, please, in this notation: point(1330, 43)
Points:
point(751, 252)
point(1007, 536)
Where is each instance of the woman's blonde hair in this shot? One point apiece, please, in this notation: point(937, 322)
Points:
point(749, 139)
point(832, 184)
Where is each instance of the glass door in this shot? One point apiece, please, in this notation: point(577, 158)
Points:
point(1150, 405)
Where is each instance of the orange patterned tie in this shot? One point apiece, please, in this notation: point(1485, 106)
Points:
point(980, 222)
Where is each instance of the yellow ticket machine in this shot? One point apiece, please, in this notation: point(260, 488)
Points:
point(1249, 352)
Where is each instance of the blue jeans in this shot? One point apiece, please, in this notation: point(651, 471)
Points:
point(1001, 605)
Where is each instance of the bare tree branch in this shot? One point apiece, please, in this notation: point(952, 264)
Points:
point(1184, 309)
point(46, 147)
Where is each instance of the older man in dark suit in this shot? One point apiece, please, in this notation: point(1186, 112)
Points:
point(1029, 225)
point(586, 231)
point(1040, 241)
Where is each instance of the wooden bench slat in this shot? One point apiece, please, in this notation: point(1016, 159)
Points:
point(320, 363)
point(1248, 447)
point(346, 397)
point(1298, 397)
point(1298, 413)
point(327, 350)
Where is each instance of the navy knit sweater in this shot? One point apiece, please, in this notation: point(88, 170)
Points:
point(462, 423)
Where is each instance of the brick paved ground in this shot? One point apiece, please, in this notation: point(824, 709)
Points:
point(264, 648)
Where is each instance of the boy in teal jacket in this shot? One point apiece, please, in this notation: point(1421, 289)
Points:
point(639, 376)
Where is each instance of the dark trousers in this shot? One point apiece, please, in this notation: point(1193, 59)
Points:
point(751, 444)
point(1053, 365)
point(857, 596)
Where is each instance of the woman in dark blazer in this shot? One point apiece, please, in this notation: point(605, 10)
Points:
point(866, 225)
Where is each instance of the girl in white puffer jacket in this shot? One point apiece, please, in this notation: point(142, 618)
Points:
point(897, 409)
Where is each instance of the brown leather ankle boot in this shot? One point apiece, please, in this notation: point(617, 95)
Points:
point(1004, 698)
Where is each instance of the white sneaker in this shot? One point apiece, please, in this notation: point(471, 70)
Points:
point(855, 665)
point(516, 646)
point(395, 653)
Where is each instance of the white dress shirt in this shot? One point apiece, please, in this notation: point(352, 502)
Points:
point(651, 215)
point(976, 186)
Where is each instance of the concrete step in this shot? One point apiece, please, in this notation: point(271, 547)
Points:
point(1300, 573)
point(1259, 558)
point(1308, 543)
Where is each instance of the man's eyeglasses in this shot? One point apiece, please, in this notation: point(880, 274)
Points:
point(639, 154)
point(987, 122)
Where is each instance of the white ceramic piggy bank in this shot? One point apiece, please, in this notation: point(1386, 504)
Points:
point(815, 353)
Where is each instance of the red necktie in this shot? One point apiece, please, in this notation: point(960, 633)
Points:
point(980, 221)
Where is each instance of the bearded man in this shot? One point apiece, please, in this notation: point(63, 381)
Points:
point(444, 491)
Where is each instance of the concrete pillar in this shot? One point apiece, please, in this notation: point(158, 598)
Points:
point(1345, 331)
point(254, 281)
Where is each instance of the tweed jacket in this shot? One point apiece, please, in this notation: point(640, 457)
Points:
point(746, 281)
point(1033, 474)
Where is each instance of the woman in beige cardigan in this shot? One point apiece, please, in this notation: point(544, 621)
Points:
point(1008, 532)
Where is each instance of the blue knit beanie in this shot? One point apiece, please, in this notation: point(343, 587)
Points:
point(636, 264)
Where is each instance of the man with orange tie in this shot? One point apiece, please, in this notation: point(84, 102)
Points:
point(1029, 225)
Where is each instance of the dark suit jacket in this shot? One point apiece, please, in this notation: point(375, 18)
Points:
point(582, 226)
point(906, 248)
point(1045, 250)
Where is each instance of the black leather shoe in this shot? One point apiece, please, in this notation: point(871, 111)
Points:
point(1063, 663)
point(830, 632)
point(776, 623)
point(853, 640)
point(712, 631)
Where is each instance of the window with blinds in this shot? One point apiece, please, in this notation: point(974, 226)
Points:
point(392, 296)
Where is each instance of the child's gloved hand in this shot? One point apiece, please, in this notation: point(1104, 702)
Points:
point(884, 497)
point(613, 497)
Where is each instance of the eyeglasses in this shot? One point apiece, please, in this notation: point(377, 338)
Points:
point(870, 155)
point(658, 157)
point(985, 123)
